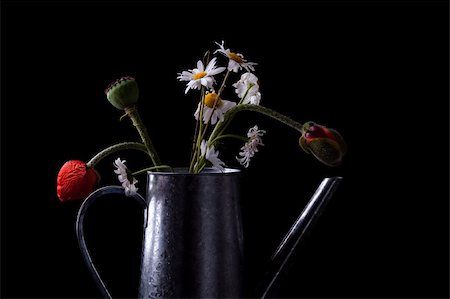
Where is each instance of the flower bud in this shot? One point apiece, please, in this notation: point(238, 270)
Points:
point(75, 181)
point(327, 145)
point(123, 92)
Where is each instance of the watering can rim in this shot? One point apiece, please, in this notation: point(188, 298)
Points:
point(207, 171)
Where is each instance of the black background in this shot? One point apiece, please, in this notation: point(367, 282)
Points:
point(375, 71)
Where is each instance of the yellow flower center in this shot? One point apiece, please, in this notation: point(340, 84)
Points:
point(235, 57)
point(212, 98)
point(199, 75)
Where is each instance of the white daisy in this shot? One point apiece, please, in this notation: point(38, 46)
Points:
point(214, 108)
point(251, 146)
point(124, 177)
point(237, 61)
point(201, 76)
point(248, 86)
point(211, 155)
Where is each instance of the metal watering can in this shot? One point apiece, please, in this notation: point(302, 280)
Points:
point(193, 244)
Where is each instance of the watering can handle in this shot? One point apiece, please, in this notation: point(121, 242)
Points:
point(302, 224)
point(80, 229)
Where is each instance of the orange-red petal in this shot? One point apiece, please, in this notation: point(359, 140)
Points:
point(75, 181)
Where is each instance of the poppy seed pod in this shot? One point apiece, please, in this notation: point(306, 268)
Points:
point(327, 145)
point(75, 181)
point(123, 92)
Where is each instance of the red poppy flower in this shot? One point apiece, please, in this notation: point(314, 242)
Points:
point(75, 180)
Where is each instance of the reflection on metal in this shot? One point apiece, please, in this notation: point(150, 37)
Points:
point(307, 217)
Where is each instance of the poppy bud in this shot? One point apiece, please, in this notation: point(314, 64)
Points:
point(123, 92)
point(75, 181)
point(327, 145)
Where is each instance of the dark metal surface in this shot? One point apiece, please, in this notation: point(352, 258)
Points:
point(193, 240)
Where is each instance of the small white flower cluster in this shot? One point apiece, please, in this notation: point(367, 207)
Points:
point(127, 179)
point(247, 88)
point(251, 146)
point(211, 110)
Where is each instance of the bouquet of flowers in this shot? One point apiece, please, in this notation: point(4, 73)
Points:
point(213, 115)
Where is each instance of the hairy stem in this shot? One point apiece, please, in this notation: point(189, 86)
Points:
point(115, 148)
point(256, 108)
point(137, 122)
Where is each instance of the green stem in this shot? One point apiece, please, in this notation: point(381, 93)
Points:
point(223, 83)
point(197, 135)
point(229, 136)
point(200, 164)
point(256, 108)
point(152, 168)
point(114, 148)
point(137, 122)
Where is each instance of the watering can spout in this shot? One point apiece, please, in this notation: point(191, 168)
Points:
point(280, 258)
